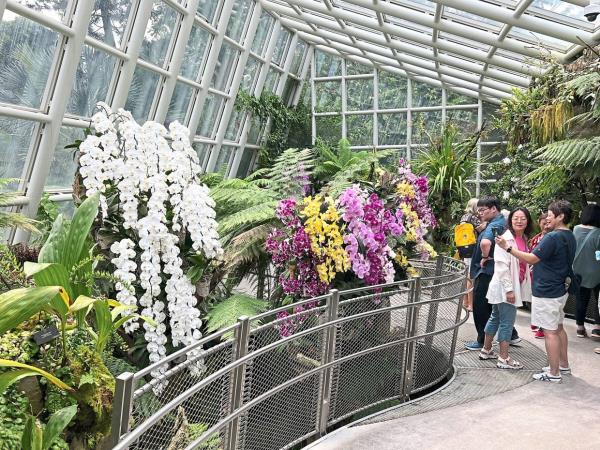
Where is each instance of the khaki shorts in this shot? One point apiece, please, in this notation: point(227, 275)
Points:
point(548, 313)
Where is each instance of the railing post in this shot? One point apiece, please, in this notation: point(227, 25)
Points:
point(436, 292)
point(412, 320)
point(241, 339)
point(328, 347)
point(457, 319)
point(122, 402)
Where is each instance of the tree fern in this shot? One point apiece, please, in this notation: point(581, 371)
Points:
point(227, 312)
point(580, 155)
point(11, 219)
point(254, 215)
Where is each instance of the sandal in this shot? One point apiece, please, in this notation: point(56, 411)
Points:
point(487, 354)
point(508, 363)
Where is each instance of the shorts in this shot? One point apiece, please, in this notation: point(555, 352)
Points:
point(548, 313)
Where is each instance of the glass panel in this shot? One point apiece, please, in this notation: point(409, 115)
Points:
point(66, 208)
point(359, 129)
point(453, 98)
point(234, 126)
point(207, 8)
point(195, 53)
point(250, 74)
point(329, 96)
point(224, 159)
point(157, 37)
point(237, 19)
point(62, 169)
point(92, 79)
point(203, 151)
point(224, 70)
point(55, 9)
point(538, 38)
point(356, 68)
point(262, 33)
point(327, 65)
point(26, 54)
point(426, 95)
point(141, 93)
point(245, 161)
point(465, 120)
point(425, 121)
point(490, 155)
point(289, 90)
point(299, 51)
point(254, 134)
point(359, 94)
point(392, 128)
point(560, 7)
point(210, 114)
point(15, 136)
point(281, 47)
point(271, 80)
point(329, 128)
point(489, 115)
point(180, 101)
point(109, 20)
point(392, 90)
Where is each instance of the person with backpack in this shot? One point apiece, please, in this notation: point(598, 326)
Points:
point(465, 239)
point(587, 266)
point(482, 268)
point(553, 279)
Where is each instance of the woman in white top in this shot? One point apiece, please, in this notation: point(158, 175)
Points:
point(509, 288)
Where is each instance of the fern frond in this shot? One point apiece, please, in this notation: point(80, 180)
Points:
point(227, 312)
point(247, 246)
point(252, 216)
point(574, 154)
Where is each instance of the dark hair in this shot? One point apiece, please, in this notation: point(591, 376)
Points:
point(590, 215)
point(562, 207)
point(489, 201)
point(528, 229)
point(542, 216)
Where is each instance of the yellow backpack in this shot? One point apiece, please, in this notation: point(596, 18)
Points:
point(465, 239)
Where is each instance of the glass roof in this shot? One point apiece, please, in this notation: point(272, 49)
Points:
point(500, 43)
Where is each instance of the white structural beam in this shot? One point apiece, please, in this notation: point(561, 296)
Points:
point(485, 94)
point(235, 85)
point(308, 54)
point(382, 56)
point(211, 64)
point(57, 105)
point(185, 29)
point(419, 18)
point(140, 12)
point(2, 7)
point(505, 15)
point(409, 35)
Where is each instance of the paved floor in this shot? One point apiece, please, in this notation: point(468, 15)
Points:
point(534, 415)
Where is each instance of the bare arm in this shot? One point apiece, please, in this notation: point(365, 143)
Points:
point(529, 258)
point(486, 246)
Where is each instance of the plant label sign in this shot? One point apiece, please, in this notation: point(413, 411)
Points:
point(46, 335)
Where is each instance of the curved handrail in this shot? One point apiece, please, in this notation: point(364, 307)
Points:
point(413, 287)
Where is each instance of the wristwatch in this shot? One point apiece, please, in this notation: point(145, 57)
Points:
point(509, 249)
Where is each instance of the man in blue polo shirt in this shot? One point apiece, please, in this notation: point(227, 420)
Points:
point(552, 260)
point(482, 267)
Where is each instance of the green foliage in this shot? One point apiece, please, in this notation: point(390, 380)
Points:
point(46, 215)
point(227, 312)
point(581, 156)
point(19, 305)
point(13, 415)
point(282, 119)
point(448, 164)
point(195, 430)
point(23, 370)
point(11, 272)
point(38, 437)
point(11, 219)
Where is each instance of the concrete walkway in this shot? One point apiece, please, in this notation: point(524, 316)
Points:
point(536, 415)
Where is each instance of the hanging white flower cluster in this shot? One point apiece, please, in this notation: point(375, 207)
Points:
point(158, 178)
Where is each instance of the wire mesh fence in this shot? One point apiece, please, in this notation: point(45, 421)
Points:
point(276, 379)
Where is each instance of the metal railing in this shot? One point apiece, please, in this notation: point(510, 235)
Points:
point(277, 379)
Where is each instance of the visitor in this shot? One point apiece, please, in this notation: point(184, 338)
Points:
point(509, 288)
point(587, 266)
point(471, 216)
point(533, 243)
point(552, 263)
point(482, 267)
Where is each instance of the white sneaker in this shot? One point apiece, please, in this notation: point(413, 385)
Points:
point(563, 370)
point(545, 376)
